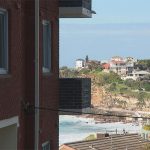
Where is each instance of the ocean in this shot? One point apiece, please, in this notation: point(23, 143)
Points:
point(74, 128)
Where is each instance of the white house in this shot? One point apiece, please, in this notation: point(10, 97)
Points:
point(80, 63)
point(122, 66)
point(136, 74)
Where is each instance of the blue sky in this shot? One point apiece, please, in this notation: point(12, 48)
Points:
point(120, 27)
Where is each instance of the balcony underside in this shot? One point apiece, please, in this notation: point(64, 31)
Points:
point(74, 12)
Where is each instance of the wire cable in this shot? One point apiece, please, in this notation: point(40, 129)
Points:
point(91, 113)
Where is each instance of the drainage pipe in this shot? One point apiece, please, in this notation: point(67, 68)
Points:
point(36, 142)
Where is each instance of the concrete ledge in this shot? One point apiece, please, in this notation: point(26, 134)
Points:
point(10, 121)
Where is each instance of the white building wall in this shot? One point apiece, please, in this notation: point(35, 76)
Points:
point(8, 138)
point(79, 64)
point(8, 133)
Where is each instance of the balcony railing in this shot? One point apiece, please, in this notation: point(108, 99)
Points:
point(75, 3)
point(75, 94)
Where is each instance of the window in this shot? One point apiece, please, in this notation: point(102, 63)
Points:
point(46, 46)
point(3, 42)
point(46, 146)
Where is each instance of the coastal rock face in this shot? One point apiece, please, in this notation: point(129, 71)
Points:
point(106, 100)
point(96, 96)
point(101, 98)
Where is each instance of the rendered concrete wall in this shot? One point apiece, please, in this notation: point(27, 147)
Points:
point(8, 137)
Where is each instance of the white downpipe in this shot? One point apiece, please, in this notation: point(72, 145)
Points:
point(36, 146)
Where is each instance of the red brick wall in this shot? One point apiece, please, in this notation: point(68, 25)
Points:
point(17, 87)
point(49, 83)
point(12, 85)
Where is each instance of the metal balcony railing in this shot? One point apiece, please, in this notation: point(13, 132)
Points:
point(75, 3)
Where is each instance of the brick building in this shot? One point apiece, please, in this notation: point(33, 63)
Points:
point(17, 73)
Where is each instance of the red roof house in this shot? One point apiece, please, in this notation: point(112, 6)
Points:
point(106, 66)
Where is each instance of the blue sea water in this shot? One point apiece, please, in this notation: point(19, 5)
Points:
point(74, 128)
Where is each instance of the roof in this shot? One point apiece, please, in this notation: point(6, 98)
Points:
point(80, 60)
point(117, 62)
point(114, 142)
point(106, 66)
point(117, 57)
point(141, 72)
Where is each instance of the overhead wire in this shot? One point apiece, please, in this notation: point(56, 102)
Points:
point(91, 113)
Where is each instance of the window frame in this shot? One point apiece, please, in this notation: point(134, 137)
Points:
point(47, 143)
point(4, 13)
point(47, 69)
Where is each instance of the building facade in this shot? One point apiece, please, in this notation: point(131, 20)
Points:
point(137, 75)
point(17, 74)
point(80, 63)
point(122, 66)
point(118, 65)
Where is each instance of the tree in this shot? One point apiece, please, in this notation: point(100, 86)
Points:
point(66, 72)
point(132, 83)
point(143, 64)
point(112, 87)
point(84, 71)
point(122, 90)
point(94, 65)
point(146, 86)
point(63, 68)
point(86, 58)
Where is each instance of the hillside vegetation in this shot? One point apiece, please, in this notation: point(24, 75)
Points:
point(110, 91)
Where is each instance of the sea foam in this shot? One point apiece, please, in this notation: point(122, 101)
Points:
point(74, 128)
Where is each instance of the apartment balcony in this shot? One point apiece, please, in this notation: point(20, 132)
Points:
point(75, 94)
point(75, 9)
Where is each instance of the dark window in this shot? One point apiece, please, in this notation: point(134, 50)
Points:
point(3, 42)
point(46, 46)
